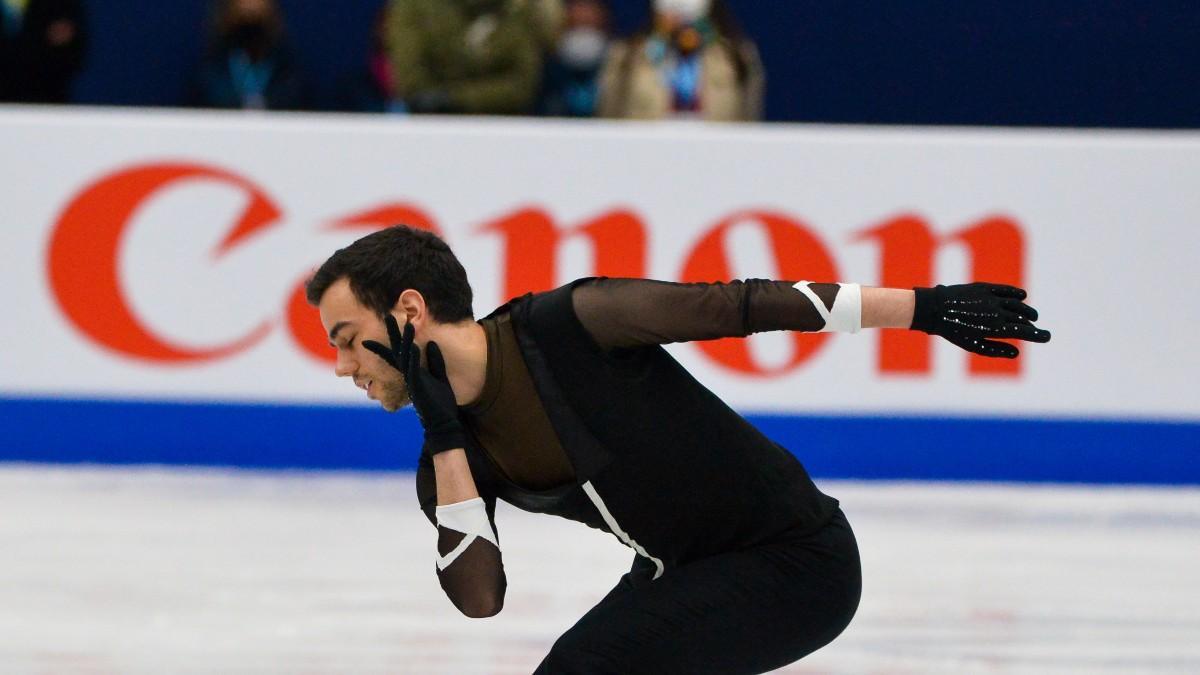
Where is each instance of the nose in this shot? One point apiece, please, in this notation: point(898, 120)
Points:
point(345, 365)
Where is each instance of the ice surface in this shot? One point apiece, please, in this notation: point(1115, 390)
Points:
point(188, 571)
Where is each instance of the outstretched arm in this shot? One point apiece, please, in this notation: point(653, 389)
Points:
point(622, 313)
point(632, 312)
point(887, 307)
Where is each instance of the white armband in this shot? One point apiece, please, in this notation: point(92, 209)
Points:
point(846, 314)
point(468, 517)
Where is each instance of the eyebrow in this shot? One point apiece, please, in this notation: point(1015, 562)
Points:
point(336, 327)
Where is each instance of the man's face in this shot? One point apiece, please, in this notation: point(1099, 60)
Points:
point(348, 324)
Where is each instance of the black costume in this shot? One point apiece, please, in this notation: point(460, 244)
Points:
point(742, 564)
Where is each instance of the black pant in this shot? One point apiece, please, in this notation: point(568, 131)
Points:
point(747, 611)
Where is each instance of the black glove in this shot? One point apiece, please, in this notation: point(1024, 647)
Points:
point(432, 397)
point(967, 313)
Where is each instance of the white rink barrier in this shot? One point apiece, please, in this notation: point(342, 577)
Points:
point(156, 260)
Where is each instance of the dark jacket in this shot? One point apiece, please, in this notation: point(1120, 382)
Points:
point(484, 56)
point(220, 84)
point(32, 68)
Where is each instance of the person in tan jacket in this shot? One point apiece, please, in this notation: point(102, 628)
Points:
point(692, 60)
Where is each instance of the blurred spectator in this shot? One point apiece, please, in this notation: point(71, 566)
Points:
point(41, 49)
point(692, 60)
point(465, 56)
point(548, 17)
point(373, 88)
point(569, 84)
point(248, 63)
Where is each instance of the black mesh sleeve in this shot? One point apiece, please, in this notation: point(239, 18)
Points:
point(475, 580)
point(427, 488)
point(631, 312)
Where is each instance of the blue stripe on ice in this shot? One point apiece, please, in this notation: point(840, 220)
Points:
point(362, 438)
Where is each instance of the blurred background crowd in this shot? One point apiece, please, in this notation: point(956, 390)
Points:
point(1052, 63)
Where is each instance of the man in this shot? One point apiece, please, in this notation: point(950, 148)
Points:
point(565, 403)
point(480, 57)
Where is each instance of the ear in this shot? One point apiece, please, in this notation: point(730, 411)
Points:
point(411, 306)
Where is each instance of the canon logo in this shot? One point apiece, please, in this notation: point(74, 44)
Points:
point(85, 245)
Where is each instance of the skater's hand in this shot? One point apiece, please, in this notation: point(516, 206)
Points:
point(967, 314)
point(428, 386)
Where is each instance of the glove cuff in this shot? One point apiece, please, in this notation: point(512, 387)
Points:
point(441, 441)
point(925, 312)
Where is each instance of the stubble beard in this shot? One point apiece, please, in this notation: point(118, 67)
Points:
point(394, 395)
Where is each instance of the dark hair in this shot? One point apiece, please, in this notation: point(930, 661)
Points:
point(225, 18)
point(382, 265)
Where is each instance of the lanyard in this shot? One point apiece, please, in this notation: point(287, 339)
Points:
point(684, 78)
point(250, 79)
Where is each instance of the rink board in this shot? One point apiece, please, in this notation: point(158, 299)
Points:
point(155, 264)
point(360, 438)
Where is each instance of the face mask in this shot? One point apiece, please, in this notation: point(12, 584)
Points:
point(248, 34)
point(582, 48)
point(686, 11)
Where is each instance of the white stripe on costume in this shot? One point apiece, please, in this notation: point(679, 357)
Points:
point(616, 529)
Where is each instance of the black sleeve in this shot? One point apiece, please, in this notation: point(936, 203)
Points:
point(631, 312)
point(475, 580)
